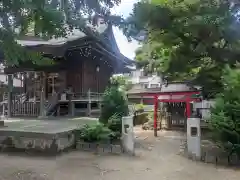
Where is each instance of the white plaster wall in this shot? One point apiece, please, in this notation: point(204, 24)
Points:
point(204, 108)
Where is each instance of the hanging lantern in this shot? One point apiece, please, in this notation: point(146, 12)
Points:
point(97, 68)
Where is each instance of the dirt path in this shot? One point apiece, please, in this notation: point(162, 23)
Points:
point(156, 159)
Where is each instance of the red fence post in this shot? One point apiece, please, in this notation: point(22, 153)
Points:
point(155, 114)
point(188, 107)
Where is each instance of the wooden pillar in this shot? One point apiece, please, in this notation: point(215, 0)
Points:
point(3, 109)
point(10, 89)
point(42, 95)
point(155, 115)
point(25, 83)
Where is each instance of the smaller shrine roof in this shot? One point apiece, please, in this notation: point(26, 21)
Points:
point(171, 87)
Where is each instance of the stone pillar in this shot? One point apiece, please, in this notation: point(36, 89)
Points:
point(128, 135)
point(72, 108)
point(10, 89)
point(100, 105)
point(194, 137)
point(71, 105)
point(89, 110)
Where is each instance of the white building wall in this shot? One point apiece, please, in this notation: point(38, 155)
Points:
point(204, 108)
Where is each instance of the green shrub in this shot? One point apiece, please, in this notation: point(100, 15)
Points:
point(114, 102)
point(151, 116)
point(115, 123)
point(95, 133)
point(140, 119)
point(139, 108)
point(225, 115)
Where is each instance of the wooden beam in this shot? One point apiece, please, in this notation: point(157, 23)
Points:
point(179, 100)
point(159, 93)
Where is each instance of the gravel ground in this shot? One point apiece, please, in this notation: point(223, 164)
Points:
point(155, 158)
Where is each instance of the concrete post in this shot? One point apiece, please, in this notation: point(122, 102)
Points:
point(71, 105)
point(194, 137)
point(128, 135)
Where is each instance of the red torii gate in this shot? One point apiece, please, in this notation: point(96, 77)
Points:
point(187, 98)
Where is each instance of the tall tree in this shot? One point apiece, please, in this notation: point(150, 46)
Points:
point(188, 39)
point(45, 19)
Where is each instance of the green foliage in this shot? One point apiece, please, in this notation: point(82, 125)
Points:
point(118, 80)
point(151, 116)
point(225, 116)
point(140, 119)
point(122, 82)
point(188, 40)
point(46, 19)
point(15, 54)
point(115, 124)
point(96, 133)
point(139, 108)
point(114, 102)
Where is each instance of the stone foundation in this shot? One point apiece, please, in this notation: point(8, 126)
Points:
point(30, 141)
point(99, 148)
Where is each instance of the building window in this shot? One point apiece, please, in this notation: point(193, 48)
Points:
point(154, 85)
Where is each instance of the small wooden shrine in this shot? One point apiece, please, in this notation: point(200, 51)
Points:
point(177, 98)
point(83, 65)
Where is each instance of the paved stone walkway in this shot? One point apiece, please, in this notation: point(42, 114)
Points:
point(45, 126)
point(156, 158)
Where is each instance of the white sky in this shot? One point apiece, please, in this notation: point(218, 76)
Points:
point(126, 48)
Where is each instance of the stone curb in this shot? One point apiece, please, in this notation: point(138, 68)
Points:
point(99, 148)
point(214, 156)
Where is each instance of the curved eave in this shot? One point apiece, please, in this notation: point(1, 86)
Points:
point(105, 44)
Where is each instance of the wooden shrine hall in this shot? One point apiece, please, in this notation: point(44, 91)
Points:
point(73, 84)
